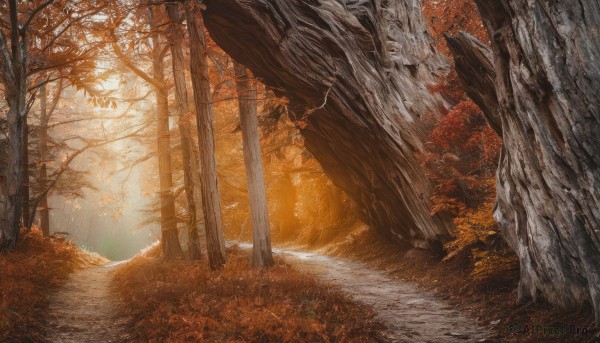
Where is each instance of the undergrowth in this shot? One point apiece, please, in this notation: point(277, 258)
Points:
point(478, 243)
point(174, 301)
point(28, 274)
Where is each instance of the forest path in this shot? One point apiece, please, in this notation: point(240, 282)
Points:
point(410, 314)
point(83, 310)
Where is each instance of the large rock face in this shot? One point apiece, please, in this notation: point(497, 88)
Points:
point(547, 82)
point(356, 72)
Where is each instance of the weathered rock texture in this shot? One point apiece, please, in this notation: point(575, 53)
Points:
point(545, 55)
point(357, 73)
point(473, 62)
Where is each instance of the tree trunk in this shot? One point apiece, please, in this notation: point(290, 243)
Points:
point(246, 90)
point(25, 184)
point(357, 76)
point(15, 75)
point(168, 221)
point(43, 148)
point(181, 101)
point(11, 219)
point(215, 242)
point(548, 182)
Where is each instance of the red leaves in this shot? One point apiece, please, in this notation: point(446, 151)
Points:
point(454, 131)
point(452, 16)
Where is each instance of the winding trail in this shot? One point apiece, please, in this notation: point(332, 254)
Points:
point(84, 309)
point(410, 314)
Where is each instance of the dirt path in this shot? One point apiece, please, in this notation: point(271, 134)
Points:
point(410, 314)
point(83, 310)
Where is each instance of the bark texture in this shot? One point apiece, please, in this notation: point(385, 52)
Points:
point(171, 247)
point(25, 201)
point(356, 74)
point(211, 203)
point(14, 76)
point(43, 149)
point(176, 37)
point(546, 57)
point(262, 256)
point(473, 62)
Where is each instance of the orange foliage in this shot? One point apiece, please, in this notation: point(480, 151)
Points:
point(36, 267)
point(478, 239)
point(174, 301)
point(463, 151)
point(450, 17)
point(462, 155)
point(461, 158)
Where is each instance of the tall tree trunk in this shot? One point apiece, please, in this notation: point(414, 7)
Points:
point(546, 57)
point(43, 148)
point(181, 101)
point(168, 220)
point(15, 75)
point(215, 242)
point(246, 90)
point(357, 76)
point(25, 185)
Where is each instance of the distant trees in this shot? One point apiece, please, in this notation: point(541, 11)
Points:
point(35, 54)
point(146, 17)
point(45, 115)
point(42, 68)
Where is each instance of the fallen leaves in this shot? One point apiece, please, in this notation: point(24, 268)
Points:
point(177, 301)
point(28, 274)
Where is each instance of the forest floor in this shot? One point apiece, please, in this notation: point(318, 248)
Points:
point(491, 298)
point(84, 309)
point(410, 313)
point(37, 268)
point(69, 295)
point(179, 300)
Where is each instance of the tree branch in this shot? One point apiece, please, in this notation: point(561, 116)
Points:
point(69, 25)
point(65, 166)
point(127, 62)
point(23, 29)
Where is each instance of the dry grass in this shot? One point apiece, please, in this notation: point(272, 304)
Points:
point(174, 301)
point(28, 274)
